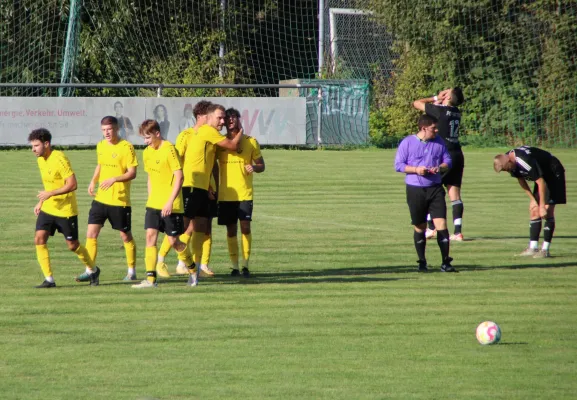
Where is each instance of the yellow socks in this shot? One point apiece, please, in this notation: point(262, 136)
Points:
point(206, 249)
point(83, 256)
point(130, 251)
point(43, 258)
point(150, 255)
point(92, 248)
point(233, 250)
point(246, 247)
point(185, 254)
point(197, 240)
point(164, 247)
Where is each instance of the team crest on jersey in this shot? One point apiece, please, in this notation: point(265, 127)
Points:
point(239, 150)
point(114, 155)
point(158, 161)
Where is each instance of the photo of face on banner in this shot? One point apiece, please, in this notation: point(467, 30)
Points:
point(125, 127)
point(161, 116)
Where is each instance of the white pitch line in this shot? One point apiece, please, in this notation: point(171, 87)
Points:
point(311, 222)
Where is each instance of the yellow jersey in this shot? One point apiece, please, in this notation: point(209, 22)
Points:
point(235, 183)
point(200, 154)
point(114, 160)
point(181, 146)
point(160, 165)
point(54, 171)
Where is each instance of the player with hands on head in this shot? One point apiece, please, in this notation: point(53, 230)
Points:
point(444, 108)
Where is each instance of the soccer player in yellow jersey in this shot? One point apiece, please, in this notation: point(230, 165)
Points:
point(235, 191)
point(57, 209)
point(201, 150)
point(115, 169)
point(164, 208)
point(181, 145)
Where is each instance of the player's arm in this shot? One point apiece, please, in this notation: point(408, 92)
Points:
point(70, 185)
point(129, 175)
point(420, 104)
point(542, 187)
point(401, 161)
point(527, 190)
point(231, 144)
point(94, 180)
point(212, 191)
point(178, 179)
point(257, 166)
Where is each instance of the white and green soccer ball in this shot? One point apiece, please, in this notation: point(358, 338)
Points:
point(488, 332)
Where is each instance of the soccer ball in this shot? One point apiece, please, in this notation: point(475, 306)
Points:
point(488, 332)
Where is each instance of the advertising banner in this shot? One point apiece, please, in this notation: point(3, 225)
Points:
point(76, 120)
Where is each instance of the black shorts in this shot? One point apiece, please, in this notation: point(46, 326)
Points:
point(118, 216)
point(556, 192)
point(426, 200)
point(173, 225)
point(229, 212)
point(68, 226)
point(213, 207)
point(454, 176)
point(195, 202)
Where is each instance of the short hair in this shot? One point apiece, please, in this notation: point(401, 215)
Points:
point(213, 107)
point(499, 162)
point(426, 120)
point(201, 108)
point(457, 97)
point(232, 112)
point(41, 134)
point(109, 120)
point(148, 127)
point(117, 103)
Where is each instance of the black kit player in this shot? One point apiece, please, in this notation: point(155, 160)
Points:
point(533, 164)
point(444, 107)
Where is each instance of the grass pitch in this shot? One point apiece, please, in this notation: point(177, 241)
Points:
point(334, 310)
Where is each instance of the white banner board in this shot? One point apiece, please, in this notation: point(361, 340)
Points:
point(76, 120)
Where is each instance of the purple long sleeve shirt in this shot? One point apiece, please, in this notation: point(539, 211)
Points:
point(414, 152)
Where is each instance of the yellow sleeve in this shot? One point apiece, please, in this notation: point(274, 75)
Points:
point(181, 143)
point(132, 160)
point(98, 151)
point(211, 135)
point(173, 159)
point(64, 166)
point(256, 154)
point(145, 159)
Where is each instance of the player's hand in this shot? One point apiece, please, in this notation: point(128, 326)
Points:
point(44, 195)
point(533, 205)
point(37, 208)
point(249, 168)
point(167, 209)
point(91, 188)
point(543, 212)
point(421, 171)
point(433, 170)
point(107, 183)
point(211, 194)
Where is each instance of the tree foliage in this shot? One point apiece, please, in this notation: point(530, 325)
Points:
point(514, 59)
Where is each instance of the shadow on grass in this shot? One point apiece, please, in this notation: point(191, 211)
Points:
point(490, 238)
point(512, 343)
point(334, 275)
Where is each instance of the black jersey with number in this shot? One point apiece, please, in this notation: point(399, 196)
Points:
point(449, 119)
point(533, 163)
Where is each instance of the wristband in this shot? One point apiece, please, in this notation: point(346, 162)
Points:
point(435, 98)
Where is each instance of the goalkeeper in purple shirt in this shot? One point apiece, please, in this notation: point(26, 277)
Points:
point(423, 157)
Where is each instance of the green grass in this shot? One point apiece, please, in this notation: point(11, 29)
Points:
point(334, 311)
